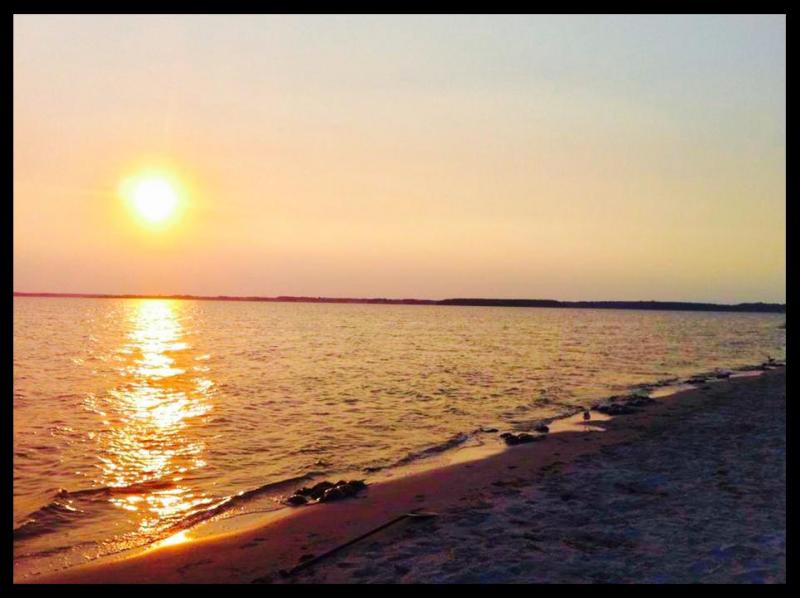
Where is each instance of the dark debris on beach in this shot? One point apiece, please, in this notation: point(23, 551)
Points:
point(326, 491)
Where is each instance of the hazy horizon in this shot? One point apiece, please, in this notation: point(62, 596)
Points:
point(561, 157)
point(225, 296)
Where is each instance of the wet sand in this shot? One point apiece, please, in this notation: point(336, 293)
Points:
point(690, 489)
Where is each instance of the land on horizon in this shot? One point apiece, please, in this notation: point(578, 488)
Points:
point(759, 307)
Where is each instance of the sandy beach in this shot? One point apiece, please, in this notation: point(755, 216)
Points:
point(689, 489)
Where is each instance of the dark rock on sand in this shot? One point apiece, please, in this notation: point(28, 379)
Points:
point(615, 409)
point(297, 500)
point(624, 404)
point(512, 439)
point(327, 491)
point(639, 401)
point(337, 493)
point(342, 490)
point(542, 428)
point(317, 490)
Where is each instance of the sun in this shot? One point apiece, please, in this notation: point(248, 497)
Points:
point(154, 198)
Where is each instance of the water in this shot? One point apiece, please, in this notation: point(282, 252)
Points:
point(133, 418)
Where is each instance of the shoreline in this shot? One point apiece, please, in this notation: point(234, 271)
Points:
point(247, 507)
point(281, 539)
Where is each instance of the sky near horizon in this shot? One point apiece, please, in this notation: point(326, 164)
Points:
point(565, 157)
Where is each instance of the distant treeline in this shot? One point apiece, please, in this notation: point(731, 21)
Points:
point(652, 305)
point(649, 305)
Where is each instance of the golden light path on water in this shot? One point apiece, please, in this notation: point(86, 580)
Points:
point(150, 446)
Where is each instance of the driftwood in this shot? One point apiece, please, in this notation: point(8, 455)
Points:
point(412, 515)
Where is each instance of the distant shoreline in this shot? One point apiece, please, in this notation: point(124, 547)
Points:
point(757, 307)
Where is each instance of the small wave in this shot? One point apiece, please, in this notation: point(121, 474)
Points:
point(236, 500)
point(47, 519)
point(451, 443)
point(57, 513)
point(137, 488)
point(51, 551)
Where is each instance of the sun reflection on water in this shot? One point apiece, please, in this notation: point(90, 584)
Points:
point(151, 443)
point(174, 539)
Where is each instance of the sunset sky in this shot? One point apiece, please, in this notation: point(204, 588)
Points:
point(596, 157)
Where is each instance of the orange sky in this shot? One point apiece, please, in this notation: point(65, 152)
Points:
point(561, 157)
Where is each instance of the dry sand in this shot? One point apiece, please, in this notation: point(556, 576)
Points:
point(692, 489)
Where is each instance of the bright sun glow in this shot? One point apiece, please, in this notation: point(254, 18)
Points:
point(153, 197)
